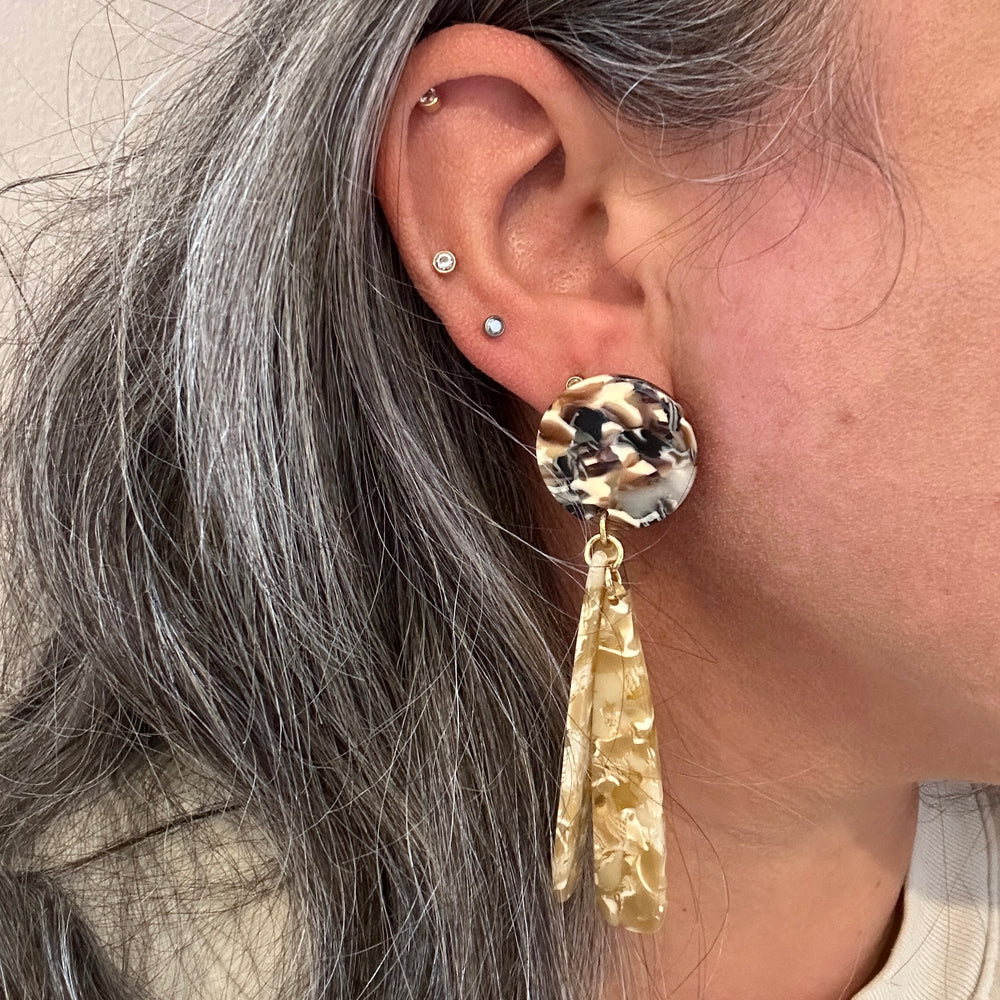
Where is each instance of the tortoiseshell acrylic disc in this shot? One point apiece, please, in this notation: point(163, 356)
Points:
point(617, 444)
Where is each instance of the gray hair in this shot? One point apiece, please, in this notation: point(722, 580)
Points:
point(263, 516)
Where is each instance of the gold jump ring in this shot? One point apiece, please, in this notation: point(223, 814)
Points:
point(616, 546)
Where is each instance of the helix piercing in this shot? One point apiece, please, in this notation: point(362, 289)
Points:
point(430, 102)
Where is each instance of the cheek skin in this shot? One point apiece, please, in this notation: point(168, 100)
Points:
point(850, 430)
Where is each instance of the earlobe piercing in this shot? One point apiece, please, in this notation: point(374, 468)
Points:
point(494, 326)
point(430, 102)
point(444, 262)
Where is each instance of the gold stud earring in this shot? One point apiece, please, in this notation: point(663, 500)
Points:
point(613, 449)
point(430, 102)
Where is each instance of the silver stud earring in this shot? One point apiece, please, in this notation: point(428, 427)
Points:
point(444, 262)
point(494, 326)
point(430, 102)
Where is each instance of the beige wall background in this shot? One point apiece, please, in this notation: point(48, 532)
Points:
point(72, 70)
point(72, 74)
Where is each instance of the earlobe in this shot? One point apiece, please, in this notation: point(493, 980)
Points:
point(510, 167)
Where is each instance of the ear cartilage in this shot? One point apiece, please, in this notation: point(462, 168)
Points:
point(494, 326)
point(430, 102)
point(444, 262)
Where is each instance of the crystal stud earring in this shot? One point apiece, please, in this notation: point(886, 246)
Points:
point(494, 326)
point(444, 262)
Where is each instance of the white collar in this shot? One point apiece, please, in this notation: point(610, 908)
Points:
point(949, 942)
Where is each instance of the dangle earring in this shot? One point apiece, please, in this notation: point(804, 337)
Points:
point(615, 450)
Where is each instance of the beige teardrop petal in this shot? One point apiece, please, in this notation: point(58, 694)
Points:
point(569, 831)
point(625, 778)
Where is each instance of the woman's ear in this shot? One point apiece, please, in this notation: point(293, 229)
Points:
point(548, 213)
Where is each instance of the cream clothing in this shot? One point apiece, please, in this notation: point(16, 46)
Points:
point(948, 946)
point(196, 912)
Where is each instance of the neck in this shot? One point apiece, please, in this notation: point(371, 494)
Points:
point(790, 821)
point(773, 906)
